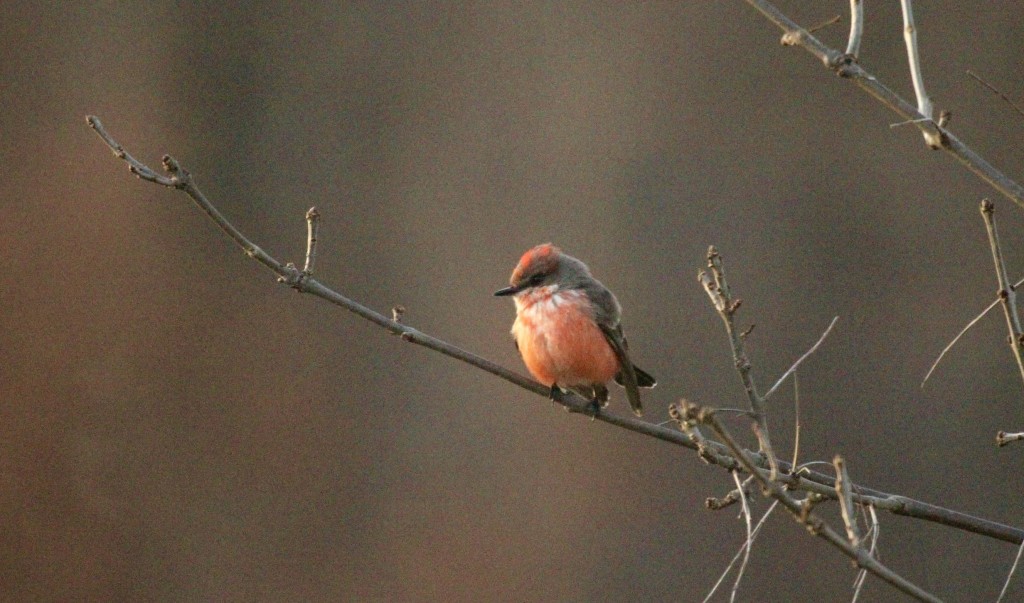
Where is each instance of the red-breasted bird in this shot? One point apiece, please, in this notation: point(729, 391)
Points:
point(567, 328)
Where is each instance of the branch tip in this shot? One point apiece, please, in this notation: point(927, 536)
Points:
point(1003, 438)
point(312, 228)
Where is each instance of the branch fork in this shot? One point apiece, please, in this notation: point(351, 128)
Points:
point(803, 511)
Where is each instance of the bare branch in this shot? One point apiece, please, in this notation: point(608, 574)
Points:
point(1013, 570)
point(1007, 294)
point(998, 92)
point(717, 288)
point(856, 28)
point(844, 489)
point(796, 419)
point(733, 497)
point(743, 548)
point(802, 358)
point(813, 522)
point(962, 332)
point(873, 531)
point(825, 23)
point(794, 35)
point(924, 104)
point(821, 483)
point(749, 542)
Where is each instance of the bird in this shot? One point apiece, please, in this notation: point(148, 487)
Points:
point(568, 330)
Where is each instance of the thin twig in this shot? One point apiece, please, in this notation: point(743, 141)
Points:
point(743, 548)
point(815, 524)
point(749, 544)
point(962, 332)
point(794, 35)
point(802, 358)
point(717, 287)
point(1007, 295)
point(825, 23)
point(924, 104)
point(1013, 570)
point(808, 480)
point(796, 419)
point(873, 531)
point(717, 504)
point(856, 28)
point(997, 91)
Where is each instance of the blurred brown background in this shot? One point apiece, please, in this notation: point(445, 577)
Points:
point(176, 426)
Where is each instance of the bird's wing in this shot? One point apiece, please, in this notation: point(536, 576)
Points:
point(629, 381)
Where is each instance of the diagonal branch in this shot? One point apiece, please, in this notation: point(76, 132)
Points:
point(962, 332)
point(1017, 108)
point(719, 454)
point(840, 63)
point(743, 549)
point(801, 359)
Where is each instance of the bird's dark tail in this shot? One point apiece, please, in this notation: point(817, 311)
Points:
point(643, 378)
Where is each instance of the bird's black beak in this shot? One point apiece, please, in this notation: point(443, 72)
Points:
point(507, 291)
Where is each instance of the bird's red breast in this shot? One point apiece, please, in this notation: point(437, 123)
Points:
point(559, 340)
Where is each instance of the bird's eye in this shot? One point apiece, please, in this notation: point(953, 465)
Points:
point(536, 279)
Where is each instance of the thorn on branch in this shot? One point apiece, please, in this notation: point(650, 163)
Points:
point(397, 312)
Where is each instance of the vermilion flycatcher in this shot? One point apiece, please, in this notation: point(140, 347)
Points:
point(567, 328)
